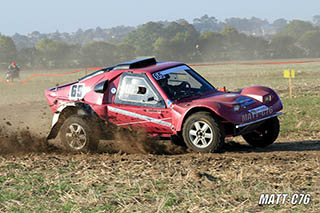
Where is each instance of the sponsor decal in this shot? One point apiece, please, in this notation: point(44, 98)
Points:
point(169, 102)
point(158, 76)
point(244, 101)
point(257, 112)
point(161, 74)
point(113, 90)
point(139, 116)
point(283, 198)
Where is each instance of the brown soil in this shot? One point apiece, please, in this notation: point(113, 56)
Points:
point(24, 127)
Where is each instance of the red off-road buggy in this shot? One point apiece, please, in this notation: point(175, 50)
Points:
point(166, 99)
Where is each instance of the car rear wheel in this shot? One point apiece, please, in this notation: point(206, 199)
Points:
point(79, 135)
point(264, 135)
point(202, 133)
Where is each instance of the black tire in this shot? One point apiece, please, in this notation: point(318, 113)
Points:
point(264, 135)
point(203, 133)
point(178, 140)
point(78, 134)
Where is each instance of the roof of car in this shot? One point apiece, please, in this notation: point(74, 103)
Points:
point(142, 65)
point(157, 67)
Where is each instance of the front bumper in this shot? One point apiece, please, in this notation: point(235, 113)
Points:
point(257, 121)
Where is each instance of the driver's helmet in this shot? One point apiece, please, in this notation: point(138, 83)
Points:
point(164, 81)
point(13, 63)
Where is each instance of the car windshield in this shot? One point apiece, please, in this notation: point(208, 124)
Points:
point(181, 82)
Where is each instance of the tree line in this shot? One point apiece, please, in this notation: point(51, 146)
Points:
point(206, 40)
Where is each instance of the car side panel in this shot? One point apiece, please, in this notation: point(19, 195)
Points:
point(153, 120)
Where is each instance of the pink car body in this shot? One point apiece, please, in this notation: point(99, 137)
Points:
point(132, 94)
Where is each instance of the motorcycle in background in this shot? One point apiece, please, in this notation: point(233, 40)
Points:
point(13, 73)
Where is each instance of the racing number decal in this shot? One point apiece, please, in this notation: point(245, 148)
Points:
point(158, 76)
point(76, 92)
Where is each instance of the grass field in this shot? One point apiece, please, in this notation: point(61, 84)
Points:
point(46, 181)
point(151, 183)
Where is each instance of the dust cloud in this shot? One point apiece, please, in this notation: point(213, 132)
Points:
point(20, 141)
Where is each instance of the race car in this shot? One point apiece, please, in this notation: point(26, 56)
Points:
point(165, 99)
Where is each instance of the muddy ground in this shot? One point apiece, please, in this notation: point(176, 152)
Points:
point(27, 122)
point(178, 180)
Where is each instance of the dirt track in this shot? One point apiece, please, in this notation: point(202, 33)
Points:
point(35, 118)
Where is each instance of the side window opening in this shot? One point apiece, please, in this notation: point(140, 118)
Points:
point(142, 90)
point(136, 90)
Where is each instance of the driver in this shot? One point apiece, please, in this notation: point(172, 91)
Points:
point(172, 90)
point(163, 83)
point(13, 67)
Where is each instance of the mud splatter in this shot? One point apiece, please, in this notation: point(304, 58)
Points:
point(20, 141)
point(137, 141)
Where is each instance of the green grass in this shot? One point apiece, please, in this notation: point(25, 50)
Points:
point(239, 76)
point(301, 115)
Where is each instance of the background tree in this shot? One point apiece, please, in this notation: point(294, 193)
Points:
point(125, 52)
point(279, 24)
point(211, 46)
point(316, 20)
point(254, 48)
point(54, 54)
point(162, 49)
point(233, 48)
point(311, 41)
point(8, 51)
point(207, 39)
point(22, 41)
point(297, 28)
point(27, 57)
point(207, 24)
point(178, 42)
point(99, 53)
point(253, 25)
point(144, 37)
point(283, 46)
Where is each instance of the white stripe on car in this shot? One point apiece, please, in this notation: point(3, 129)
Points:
point(139, 116)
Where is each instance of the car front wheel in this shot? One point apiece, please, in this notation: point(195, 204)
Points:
point(265, 134)
point(202, 133)
point(77, 135)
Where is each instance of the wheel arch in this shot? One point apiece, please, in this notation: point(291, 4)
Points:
point(195, 110)
point(67, 110)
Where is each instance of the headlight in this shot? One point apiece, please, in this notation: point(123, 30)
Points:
point(267, 98)
point(236, 108)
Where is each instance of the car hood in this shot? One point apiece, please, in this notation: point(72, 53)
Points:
point(237, 107)
point(228, 99)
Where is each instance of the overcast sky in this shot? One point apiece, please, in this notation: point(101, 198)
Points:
point(24, 16)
